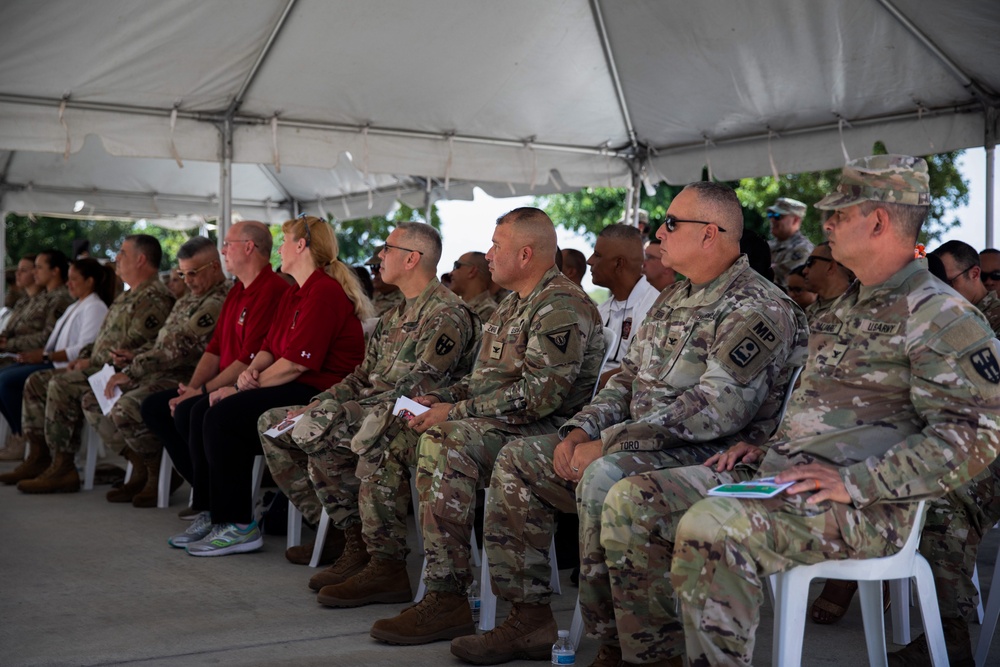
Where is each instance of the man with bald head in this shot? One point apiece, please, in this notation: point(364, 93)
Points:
point(708, 367)
point(574, 265)
point(243, 322)
point(825, 276)
point(617, 265)
point(540, 356)
point(470, 279)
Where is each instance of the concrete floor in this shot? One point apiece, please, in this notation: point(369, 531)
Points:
point(85, 582)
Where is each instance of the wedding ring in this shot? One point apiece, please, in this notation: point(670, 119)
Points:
point(816, 482)
point(576, 470)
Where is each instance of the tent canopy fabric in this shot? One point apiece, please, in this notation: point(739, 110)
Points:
point(306, 102)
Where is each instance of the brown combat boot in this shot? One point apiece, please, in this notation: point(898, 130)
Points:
point(149, 494)
point(381, 581)
point(37, 462)
point(438, 616)
point(609, 655)
point(332, 548)
point(14, 450)
point(127, 491)
point(528, 634)
point(956, 639)
point(351, 561)
point(60, 477)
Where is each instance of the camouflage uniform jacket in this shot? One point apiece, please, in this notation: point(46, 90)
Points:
point(30, 327)
point(989, 306)
point(483, 305)
point(383, 303)
point(183, 338)
point(132, 322)
point(818, 307)
point(901, 392)
point(416, 347)
point(539, 359)
point(787, 254)
point(709, 362)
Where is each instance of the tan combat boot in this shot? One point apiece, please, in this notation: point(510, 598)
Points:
point(149, 493)
point(14, 451)
point(127, 491)
point(332, 548)
point(381, 581)
point(609, 655)
point(528, 634)
point(438, 616)
point(37, 462)
point(60, 477)
point(956, 640)
point(351, 561)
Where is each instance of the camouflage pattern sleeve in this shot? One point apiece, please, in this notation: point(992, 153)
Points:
point(612, 403)
point(184, 336)
point(955, 388)
point(40, 317)
point(355, 382)
point(552, 358)
point(133, 321)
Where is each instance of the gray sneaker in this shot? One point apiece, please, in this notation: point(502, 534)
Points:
point(199, 528)
point(227, 538)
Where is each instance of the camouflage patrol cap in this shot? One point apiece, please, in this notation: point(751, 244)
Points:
point(643, 218)
point(895, 179)
point(375, 260)
point(788, 206)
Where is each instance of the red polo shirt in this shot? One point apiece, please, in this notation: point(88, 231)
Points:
point(246, 317)
point(316, 327)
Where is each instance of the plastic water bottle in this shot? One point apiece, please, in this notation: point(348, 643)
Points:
point(563, 652)
point(474, 601)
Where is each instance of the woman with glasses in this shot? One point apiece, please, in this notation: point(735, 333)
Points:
point(315, 340)
point(93, 287)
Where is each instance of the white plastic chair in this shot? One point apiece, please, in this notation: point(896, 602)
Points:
point(259, 466)
point(163, 483)
point(94, 447)
point(989, 619)
point(791, 599)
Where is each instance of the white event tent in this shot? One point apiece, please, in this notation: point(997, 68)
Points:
point(264, 108)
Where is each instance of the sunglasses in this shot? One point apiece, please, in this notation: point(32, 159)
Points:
point(302, 217)
point(193, 272)
point(992, 275)
point(774, 215)
point(459, 265)
point(670, 222)
point(813, 259)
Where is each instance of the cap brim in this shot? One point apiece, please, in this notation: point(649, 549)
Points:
point(837, 200)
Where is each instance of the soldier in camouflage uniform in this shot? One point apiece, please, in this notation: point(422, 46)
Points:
point(871, 428)
point(172, 358)
point(825, 276)
point(789, 248)
point(539, 359)
point(427, 341)
point(470, 279)
point(34, 319)
point(963, 274)
point(386, 296)
point(52, 410)
point(708, 367)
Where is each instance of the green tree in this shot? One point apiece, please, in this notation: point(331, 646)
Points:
point(591, 209)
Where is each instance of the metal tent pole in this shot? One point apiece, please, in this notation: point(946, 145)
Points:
point(992, 126)
point(226, 181)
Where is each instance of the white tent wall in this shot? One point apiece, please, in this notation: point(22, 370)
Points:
point(520, 95)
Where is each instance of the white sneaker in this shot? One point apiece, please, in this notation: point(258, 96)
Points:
point(199, 528)
point(228, 538)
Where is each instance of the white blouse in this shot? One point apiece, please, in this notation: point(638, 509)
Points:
point(77, 327)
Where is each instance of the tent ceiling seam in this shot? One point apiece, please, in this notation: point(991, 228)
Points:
point(125, 194)
point(609, 58)
point(976, 89)
point(259, 62)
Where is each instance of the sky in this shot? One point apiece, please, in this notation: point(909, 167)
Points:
point(467, 225)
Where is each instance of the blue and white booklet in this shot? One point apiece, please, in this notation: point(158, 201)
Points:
point(755, 488)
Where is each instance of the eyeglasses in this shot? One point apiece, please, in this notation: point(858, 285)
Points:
point(459, 265)
point(670, 222)
point(815, 258)
point(396, 247)
point(193, 272)
point(992, 275)
point(951, 281)
point(226, 244)
point(774, 215)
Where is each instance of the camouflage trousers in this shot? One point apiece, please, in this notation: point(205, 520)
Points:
point(315, 473)
point(950, 541)
point(454, 460)
point(51, 410)
point(526, 495)
point(123, 426)
point(720, 550)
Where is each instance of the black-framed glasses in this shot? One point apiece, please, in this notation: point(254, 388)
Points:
point(812, 259)
point(193, 272)
point(951, 281)
point(226, 244)
point(459, 265)
point(671, 222)
point(389, 246)
point(992, 275)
